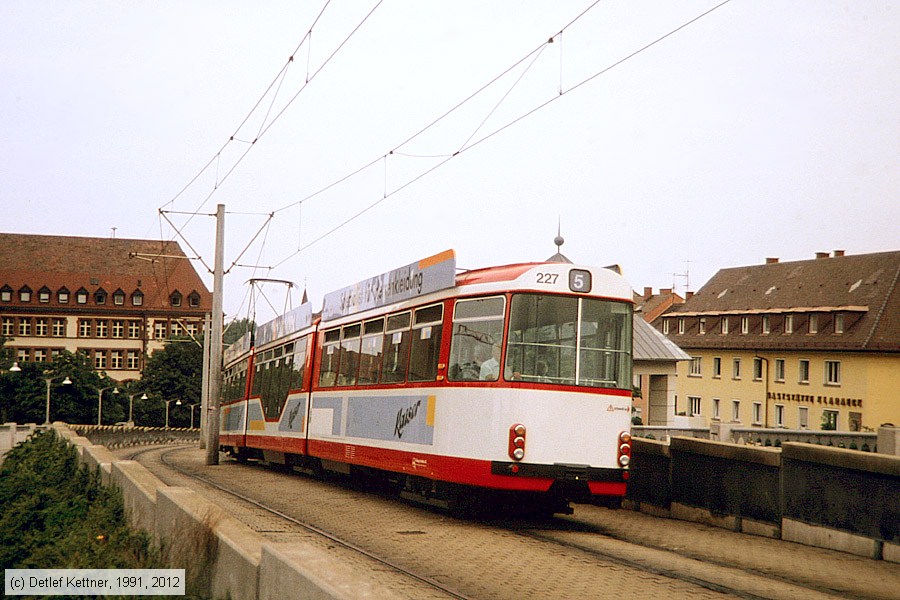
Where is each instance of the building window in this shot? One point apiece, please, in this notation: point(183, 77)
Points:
point(803, 417)
point(715, 408)
point(99, 359)
point(832, 372)
point(59, 328)
point(745, 325)
point(8, 327)
point(24, 326)
point(839, 323)
point(81, 296)
point(724, 325)
point(193, 299)
point(85, 328)
point(102, 329)
point(779, 415)
point(25, 294)
point(702, 325)
point(137, 298)
point(62, 296)
point(814, 323)
point(119, 298)
point(44, 295)
point(175, 299)
point(779, 369)
point(6, 293)
point(717, 366)
point(804, 371)
point(177, 329)
point(757, 413)
point(665, 326)
point(789, 323)
point(40, 355)
point(829, 420)
point(694, 402)
point(766, 325)
point(133, 360)
point(160, 328)
point(100, 296)
point(118, 329)
point(736, 411)
point(695, 366)
point(192, 329)
point(736, 369)
point(134, 329)
point(115, 359)
point(23, 354)
point(41, 327)
point(757, 369)
point(681, 326)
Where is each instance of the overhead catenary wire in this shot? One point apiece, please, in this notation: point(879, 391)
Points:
point(469, 146)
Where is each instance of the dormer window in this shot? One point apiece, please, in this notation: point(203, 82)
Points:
point(137, 298)
point(24, 294)
point(62, 296)
point(724, 325)
point(118, 297)
point(745, 325)
point(44, 295)
point(839, 323)
point(814, 323)
point(81, 296)
point(193, 299)
point(100, 296)
point(175, 298)
point(6, 293)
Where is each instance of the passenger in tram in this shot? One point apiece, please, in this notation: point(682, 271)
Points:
point(490, 368)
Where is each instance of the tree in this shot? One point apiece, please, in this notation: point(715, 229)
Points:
point(24, 394)
point(235, 329)
point(173, 373)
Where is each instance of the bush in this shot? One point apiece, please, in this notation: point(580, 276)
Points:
point(57, 515)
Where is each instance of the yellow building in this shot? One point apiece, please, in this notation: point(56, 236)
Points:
point(802, 345)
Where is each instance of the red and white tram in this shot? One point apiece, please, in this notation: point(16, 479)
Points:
point(514, 380)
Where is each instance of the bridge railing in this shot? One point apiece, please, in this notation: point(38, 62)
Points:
point(759, 436)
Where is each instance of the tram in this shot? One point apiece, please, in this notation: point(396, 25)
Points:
point(507, 384)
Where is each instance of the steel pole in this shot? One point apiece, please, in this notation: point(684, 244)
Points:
point(204, 385)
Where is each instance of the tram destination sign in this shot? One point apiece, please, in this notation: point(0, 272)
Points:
point(428, 275)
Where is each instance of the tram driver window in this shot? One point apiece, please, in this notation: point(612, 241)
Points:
point(477, 331)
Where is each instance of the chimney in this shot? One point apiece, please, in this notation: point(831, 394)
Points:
point(665, 291)
point(820, 255)
point(838, 253)
point(648, 291)
point(772, 260)
point(688, 295)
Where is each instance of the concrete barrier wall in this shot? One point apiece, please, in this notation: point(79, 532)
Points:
point(845, 500)
point(122, 437)
point(222, 557)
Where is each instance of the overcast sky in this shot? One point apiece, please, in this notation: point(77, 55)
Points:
point(765, 128)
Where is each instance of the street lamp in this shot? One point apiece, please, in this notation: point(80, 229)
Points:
point(15, 368)
point(115, 390)
point(131, 406)
point(177, 403)
point(49, 380)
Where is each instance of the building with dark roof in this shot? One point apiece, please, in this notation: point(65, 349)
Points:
point(116, 300)
point(808, 344)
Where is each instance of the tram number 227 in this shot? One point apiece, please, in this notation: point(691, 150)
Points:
point(547, 278)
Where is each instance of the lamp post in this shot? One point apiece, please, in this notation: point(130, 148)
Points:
point(177, 403)
point(115, 390)
point(49, 380)
point(193, 406)
point(131, 407)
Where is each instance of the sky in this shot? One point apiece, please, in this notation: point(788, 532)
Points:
point(671, 138)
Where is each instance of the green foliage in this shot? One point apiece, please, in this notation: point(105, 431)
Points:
point(55, 514)
point(235, 329)
point(173, 373)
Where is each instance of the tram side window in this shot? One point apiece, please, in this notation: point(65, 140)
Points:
point(298, 372)
point(349, 361)
point(331, 351)
point(396, 348)
point(604, 359)
point(541, 345)
point(370, 352)
point(426, 343)
point(477, 331)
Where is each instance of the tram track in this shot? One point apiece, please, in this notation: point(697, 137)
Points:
point(571, 538)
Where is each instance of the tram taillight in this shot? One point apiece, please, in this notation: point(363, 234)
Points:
point(624, 449)
point(517, 442)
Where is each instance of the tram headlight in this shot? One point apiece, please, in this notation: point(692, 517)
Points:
point(624, 460)
point(518, 454)
point(624, 450)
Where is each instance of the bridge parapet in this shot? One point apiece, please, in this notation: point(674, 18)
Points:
point(116, 436)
